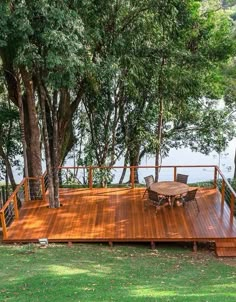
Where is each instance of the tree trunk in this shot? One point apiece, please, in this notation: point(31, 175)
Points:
point(55, 151)
point(22, 128)
point(32, 135)
point(65, 112)
point(159, 139)
point(160, 120)
point(26, 103)
point(7, 187)
point(124, 169)
point(8, 167)
point(235, 165)
point(134, 161)
point(22, 95)
point(31, 126)
point(42, 97)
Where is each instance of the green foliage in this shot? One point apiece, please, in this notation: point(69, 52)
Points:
point(102, 177)
point(202, 127)
point(128, 42)
point(9, 134)
point(7, 115)
point(121, 59)
point(47, 36)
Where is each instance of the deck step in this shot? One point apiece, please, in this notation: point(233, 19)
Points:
point(226, 252)
point(226, 248)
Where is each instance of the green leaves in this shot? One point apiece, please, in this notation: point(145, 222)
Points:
point(123, 59)
point(9, 133)
point(6, 114)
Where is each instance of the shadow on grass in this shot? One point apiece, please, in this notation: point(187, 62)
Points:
point(123, 273)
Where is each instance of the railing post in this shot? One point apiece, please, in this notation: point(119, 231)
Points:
point(175, 173)
point(215, 177)
point(90, 177)
point(26, 187)
point(43, 188)
point(15, 207)
point(232, 200)
point(4, 227)
point(132, 177)
point(222, 193)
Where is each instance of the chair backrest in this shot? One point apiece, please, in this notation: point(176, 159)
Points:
point(190, 195)
point(182, 178)
point(149, 180)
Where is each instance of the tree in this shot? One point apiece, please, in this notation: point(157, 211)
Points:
point(41, 48)
point(230, 96)
point(192, 47)
point(9, 139)
point(166, 59)
point(230, 81)
point(183, 56)
point(13, 38)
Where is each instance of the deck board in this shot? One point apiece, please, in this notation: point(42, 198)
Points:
point(121, 215)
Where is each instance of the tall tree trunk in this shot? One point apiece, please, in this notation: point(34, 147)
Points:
point(31, 124)
point(134, 161)
point(5, 157)
point(55, 150)
point(32, 135)
point(22, 95)
point(235, 165)
point(8, 167)
point(7, 187)
point(42, 97)
point(159, 139)
point(22, 128)
point(124, 169)
point(160, 120)
point(65, 112)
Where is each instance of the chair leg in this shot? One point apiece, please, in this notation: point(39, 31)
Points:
point(144, 193)
point(197, 205)
point(146, 204)
point(157, 206)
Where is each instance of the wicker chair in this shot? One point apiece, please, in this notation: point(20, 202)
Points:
point(155, 199)
point(148, 181)
point(182, 178)
point(190, 197)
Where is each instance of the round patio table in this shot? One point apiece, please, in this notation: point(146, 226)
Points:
point(170, 189)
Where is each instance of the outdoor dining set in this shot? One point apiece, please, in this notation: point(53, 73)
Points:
point(170, 193)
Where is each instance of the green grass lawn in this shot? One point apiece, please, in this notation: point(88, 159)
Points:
point(94, 272)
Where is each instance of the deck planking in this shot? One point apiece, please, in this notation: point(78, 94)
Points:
point(121, 215)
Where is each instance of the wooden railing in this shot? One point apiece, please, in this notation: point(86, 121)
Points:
point(216, 178)
point(132, 169)
point(227, 192)
point(5, 192)
point(21, 194)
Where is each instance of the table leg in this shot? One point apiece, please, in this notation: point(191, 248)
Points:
point(172, 199)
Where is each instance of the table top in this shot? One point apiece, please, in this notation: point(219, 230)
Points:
point(169, 188)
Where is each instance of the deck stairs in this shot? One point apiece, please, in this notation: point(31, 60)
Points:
point(225, 247)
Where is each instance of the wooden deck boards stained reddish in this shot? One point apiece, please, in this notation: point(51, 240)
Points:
point(121, 215)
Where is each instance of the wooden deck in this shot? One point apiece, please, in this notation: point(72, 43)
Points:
point(113, 215)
